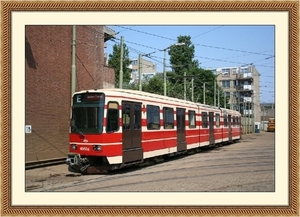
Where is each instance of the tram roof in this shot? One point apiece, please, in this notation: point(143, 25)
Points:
point(147, 95)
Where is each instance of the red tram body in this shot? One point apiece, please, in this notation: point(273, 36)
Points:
point(114, 128)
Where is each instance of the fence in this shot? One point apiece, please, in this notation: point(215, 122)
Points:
point(248, 125)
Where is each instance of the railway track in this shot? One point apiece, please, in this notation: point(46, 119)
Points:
point(44, 163)
point(246, 166)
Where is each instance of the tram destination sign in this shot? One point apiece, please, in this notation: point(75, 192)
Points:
point(88, 97)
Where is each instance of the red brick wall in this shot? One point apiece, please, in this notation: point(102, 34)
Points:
point(90, 59)
point(48, 54)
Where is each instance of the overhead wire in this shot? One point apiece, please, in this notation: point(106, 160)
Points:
point(209, 58)
point(268, 56)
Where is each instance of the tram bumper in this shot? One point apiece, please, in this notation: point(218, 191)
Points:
point(76, 163)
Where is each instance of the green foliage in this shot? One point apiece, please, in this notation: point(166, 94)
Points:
point(114, 61)
point(154, 85)
point(181, 56)
point(183, 62)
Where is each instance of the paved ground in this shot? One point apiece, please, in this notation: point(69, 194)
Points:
point(246, 166)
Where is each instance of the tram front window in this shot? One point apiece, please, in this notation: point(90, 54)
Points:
point(87, 113)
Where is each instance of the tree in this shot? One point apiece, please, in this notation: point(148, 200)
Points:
point(154, 85)
point(114, 61)
point(183, 62)
point(181, 57)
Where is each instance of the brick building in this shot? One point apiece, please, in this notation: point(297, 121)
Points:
point(48, 59)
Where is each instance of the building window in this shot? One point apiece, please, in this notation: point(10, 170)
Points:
point(244, 70)
point(226, 84)
point(168, 117)
point(226, 72)
point(153, 117)
point(227, 94)
point(234, 71)
point(134, 62)
point(192, 119)
point(235, 83)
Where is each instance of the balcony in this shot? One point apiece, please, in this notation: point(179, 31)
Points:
point(245, 76)
point(247, 112)
point(247, 99)
point(245, 88)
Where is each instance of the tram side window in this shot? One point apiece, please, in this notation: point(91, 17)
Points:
point(217, 120)
point(137, 117)
point(153, 117)
point(233, 120)
point(204, 120)
point(225, 121)
point(126, 116)
point(112, 124)
point(192, 119)
point(168, 116)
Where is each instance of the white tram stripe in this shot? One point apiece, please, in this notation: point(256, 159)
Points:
point(115, 160)
point(159, 152)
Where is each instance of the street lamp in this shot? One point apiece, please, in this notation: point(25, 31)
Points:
point(165, 76)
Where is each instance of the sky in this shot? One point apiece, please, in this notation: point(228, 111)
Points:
point(215, 47)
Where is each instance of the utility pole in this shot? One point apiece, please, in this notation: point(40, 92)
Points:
point(184, 84)
point(224, 100)
point(121, 64)
point(263, 117)
point(252, 116)
point(248, 124)
point(140, 72)
point(165, 76)
point(192, 89)
point(73, 67)
point(204, 93)
point(218, 97)
point(215, 92)
point(244, 128)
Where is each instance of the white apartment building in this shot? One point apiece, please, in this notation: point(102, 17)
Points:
point(148, 69)
point(241, 86)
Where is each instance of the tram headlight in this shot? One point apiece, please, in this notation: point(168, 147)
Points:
point(97, 147)
point(74, 146)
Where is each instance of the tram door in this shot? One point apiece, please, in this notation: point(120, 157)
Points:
point(229, 128)
point(132, 134)
point(211, 128)
point(180, 117)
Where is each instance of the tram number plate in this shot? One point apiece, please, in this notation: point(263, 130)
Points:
point(84, 149)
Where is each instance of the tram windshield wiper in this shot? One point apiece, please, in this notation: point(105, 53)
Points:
point(78, 131)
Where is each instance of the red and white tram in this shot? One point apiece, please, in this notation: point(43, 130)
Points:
point(114, 128)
